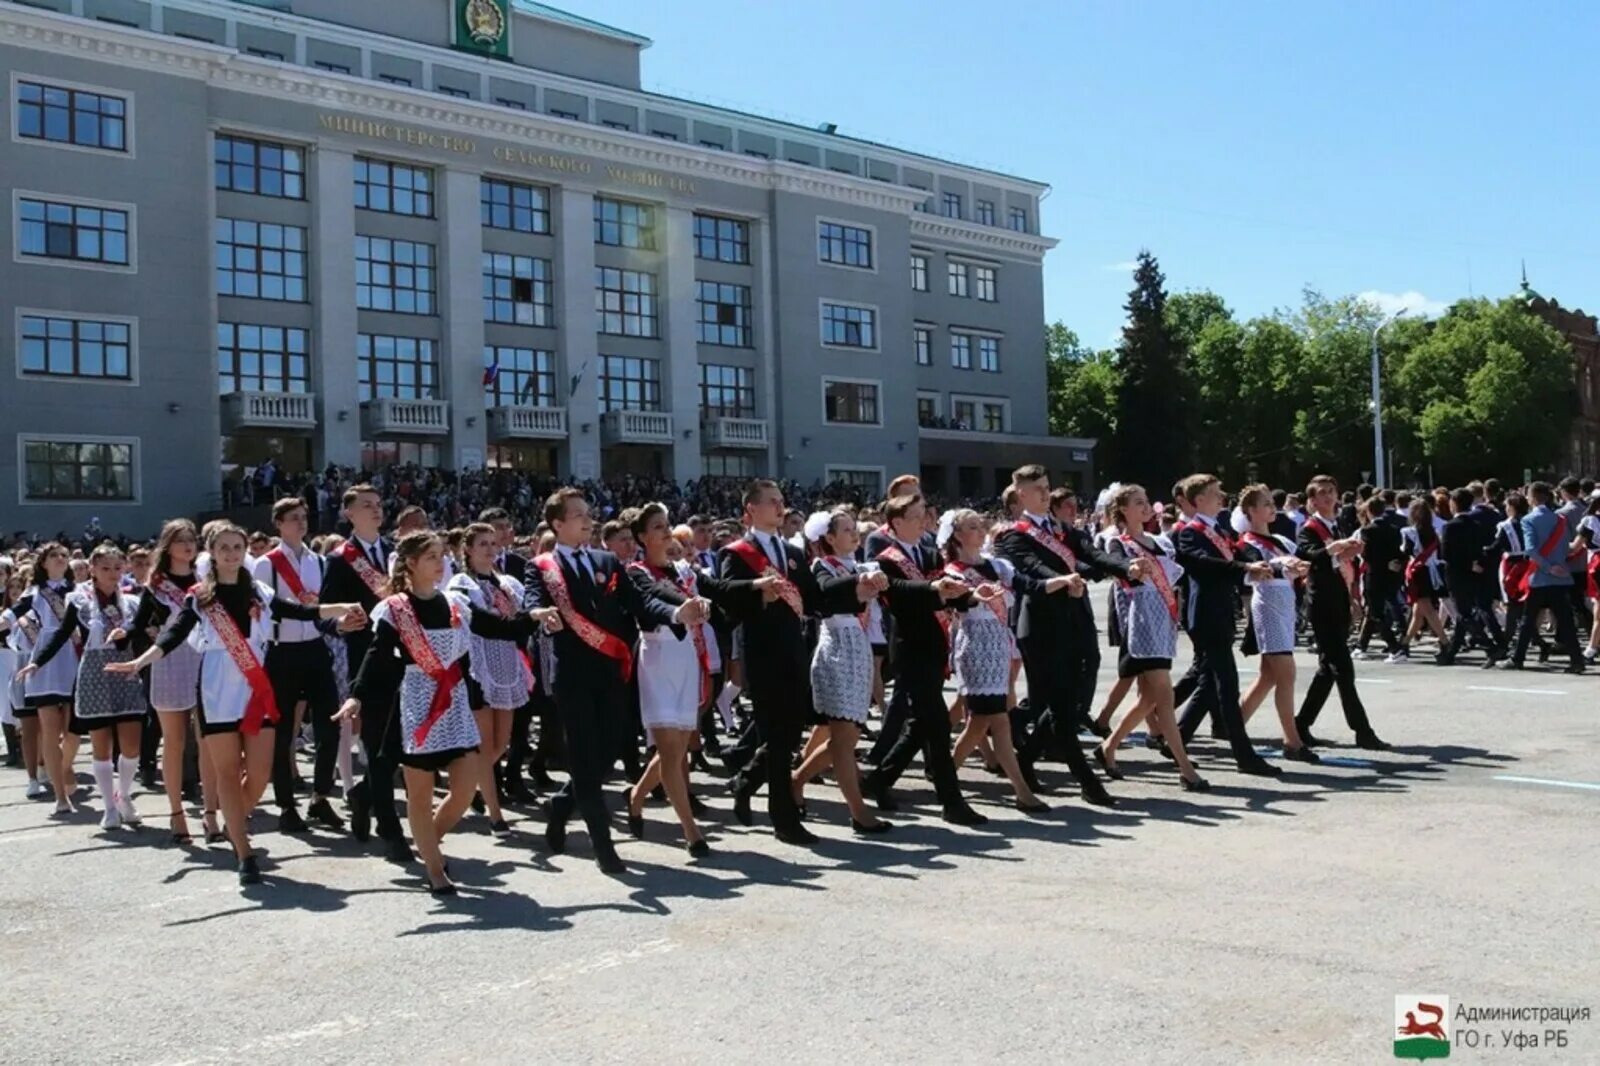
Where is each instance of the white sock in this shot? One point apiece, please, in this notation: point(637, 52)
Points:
point(127, 772)
point(103, 781)
point(730, 692)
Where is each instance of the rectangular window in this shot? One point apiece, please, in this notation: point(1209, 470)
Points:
point(394, 275)
point(264, 53)
point(844, 326)
point(1017, 219)
point(984, 210)
point(394, 79)
point(515, 105)
point(869, 483)
point(403, 368)
point(961, 351)
point(76, 348)
point(265, 168)
point(958, 279)
point(261, 260)
point(758, 153)
point(962, 413)
point(262, 358)
point(722, 240)
point(850, 402)
point(927, 410)
point(919, 273)
point(625, 302)
point(517, 289)
point(950, 205)
point(459, 94)
point(727, 391)
point(613, 124)
point(992, 417)
point(729, 464)
point(724, 314)
point(514, 206)
point(332, 68)
point(629, 383)
point(664, 135)
point(519, 377)
point(71, 116)
point(985, 277)
point(989, 354)
point(844, 245)
point(380, 454)
point(51, 230)
point(714, 144)
point(394, 188)
point(624, 224)
point(923, 206)
point(68, 470)
point(924, 345)
point(558, 113)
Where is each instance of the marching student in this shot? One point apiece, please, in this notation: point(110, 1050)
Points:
point(1588, 542)
point(98, 620)
point(775, 655)
point(984, 649)
point(1271, 622)
point(1213, 574)
point(1544, 535)
point(1332, 576)
point(917, 598)
point(418, 665)
point(1463, 546)
point(1148, 613)
point(358, 572)
point(17, 650)
point(300, 667)
point(1424, 580)
point(227, 617)
point(842, 670)
point(674, 664)
point(1381, 579)
point(595, 624)
point(175, 679)
point(48, 692)
point(501, 674)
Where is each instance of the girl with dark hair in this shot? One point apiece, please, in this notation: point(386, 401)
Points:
point(1420, 542)
point(47, 693)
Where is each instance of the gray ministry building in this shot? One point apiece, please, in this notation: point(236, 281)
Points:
point(458, 232)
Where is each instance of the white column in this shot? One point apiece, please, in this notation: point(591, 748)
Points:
point(769, 407)
point(580, 346)
point(681, 378)
point(461, 303)
point(333, 286)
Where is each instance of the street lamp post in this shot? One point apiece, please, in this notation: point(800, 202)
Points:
point(1377, 404)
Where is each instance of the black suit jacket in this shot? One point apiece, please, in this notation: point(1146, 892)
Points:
point(1211, 581)
point(516, 566)
point(919, 644)
point(1327, 596)
point(610, 600)
point(1381, 546)
point(341, 584)
point(1048, 616)
point(776, 655)
point(1465, 541)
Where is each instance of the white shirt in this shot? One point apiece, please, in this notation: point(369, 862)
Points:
point(309, 565)
point(381, 562)
point(772, 544)
point(578, 559)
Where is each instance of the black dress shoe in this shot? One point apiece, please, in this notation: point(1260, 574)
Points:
point(1110, 770)
point(555, 830)
point(322, 812)
point(1573, 668)
point(610, 863)
point(1036, 807)
point(1165, 752)
point(636, 825)
point(798, 835)
point(1097, 796)
point(289, 821)
point(964, 815)
point(397, 851)
point(699, 849)
point(249, 871)
point(1544, 655)
point(875, 829)
point(1371, 742)
point(1259, 767)
point(499, 827)
point(1303, 754)
point(1195, 784)
point(741, 806)
point(436, 891)
point(360, 800)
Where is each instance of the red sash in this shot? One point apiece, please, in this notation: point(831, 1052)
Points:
point(957, 568)
point(1414, 566)
point(1223, 547)
point(606, 643)
point(1557, 537)
point(289, 574)
point(757, 560)
point(1049, 540)
point(58, 604)
point(499, 601)
point(1324, 534)
point(111, 612)
point(263, 705)
point(1158, 574)
point(1515, 575)
point(415, 640)
point(914, 573)
point(377, 583)
point(836, 566)
point(686, 584)
point(166, 591)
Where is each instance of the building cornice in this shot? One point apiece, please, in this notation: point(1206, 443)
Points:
point(1032, 440)
point(937, 227)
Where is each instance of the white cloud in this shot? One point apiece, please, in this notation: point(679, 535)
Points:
point(1126, 267)
point(1414, 302)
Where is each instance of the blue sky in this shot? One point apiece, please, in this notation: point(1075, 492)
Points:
point(1421, 148)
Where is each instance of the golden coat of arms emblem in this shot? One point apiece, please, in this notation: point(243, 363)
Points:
point(485, 21)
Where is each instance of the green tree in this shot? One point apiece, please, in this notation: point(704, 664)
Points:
point(1150, 441)
point(1083, 387)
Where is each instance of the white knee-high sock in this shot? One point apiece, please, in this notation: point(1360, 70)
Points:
point(103, 781)
point(127, 773)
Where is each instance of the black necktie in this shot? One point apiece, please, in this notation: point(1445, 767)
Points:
point(774, 552)
point(377, 557)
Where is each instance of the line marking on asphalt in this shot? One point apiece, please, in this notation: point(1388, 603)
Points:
point(1327, 760)
point(1584, 785)
point(1518, 691)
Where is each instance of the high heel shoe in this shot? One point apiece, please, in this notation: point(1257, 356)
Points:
point(214, 835)
point(249, 871)
point(181, 837)
point(1105, 764)
point(635, 821)
point(1195, 784)
point(1036, 807)
point(870, 829)
point(699, 849)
